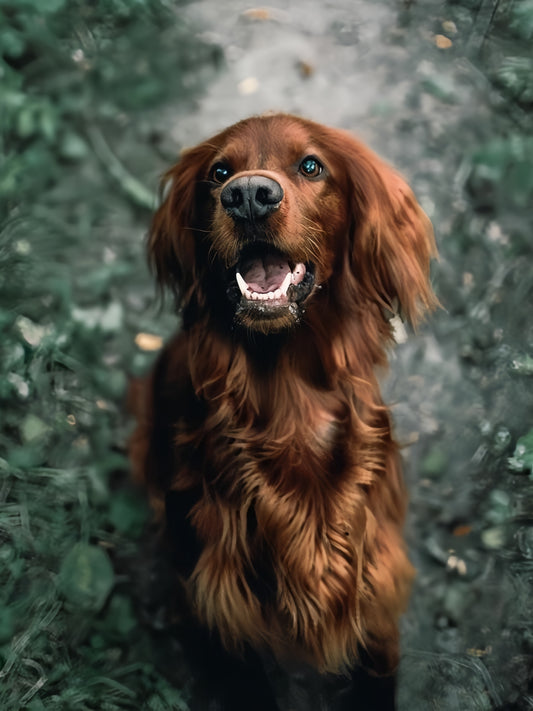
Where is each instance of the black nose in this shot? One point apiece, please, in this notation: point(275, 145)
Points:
point(251, 197)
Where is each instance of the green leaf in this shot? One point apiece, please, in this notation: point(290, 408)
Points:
point(33, 429)
point(7, 624)
point(33, 333)
point(50, 5)
point(442, 87)
point(112, 318)
point(120, 616)
point(434, 463)
point(73, 147)
point(522, 459)
point(48, 122)
point(12, 42)
point(506, 166)
point(515, 74)
point(26, 123)
point(522, 364)
point(86, 577)
point(108, 319)
point(522, 19)
point(128, 513)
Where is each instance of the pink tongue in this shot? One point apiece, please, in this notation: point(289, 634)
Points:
point(266, 274)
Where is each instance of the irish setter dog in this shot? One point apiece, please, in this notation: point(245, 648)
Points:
point(262, 436)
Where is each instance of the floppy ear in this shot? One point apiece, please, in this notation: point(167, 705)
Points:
point(173, 240)
point(393, 239)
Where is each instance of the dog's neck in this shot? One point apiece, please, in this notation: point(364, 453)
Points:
point(258, 372)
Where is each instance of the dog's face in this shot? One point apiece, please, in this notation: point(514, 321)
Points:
point(276, 211)
point(262, 215)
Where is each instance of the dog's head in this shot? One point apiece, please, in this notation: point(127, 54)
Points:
point(277, 215)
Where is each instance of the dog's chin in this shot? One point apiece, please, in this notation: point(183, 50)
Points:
point(268, 288)
point(267, 319)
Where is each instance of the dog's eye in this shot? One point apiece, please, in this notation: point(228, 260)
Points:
point(310, 167)
point(219, 173)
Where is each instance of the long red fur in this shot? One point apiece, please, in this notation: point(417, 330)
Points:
point(293, 455)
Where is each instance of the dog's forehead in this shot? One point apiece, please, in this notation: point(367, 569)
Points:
point(266, 142)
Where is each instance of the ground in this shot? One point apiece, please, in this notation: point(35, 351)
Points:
point(441, 90)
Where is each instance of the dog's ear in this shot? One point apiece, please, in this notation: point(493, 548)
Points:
point(393, 239)
point(173, 240)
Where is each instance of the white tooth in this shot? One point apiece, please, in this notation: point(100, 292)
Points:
point(242, 284)
point(278, 294)
point(298, 272)
point(270, 295)
point(248, 294)
point(255, 295)
point(286, 283)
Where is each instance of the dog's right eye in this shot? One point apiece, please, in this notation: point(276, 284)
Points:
point(219, 173)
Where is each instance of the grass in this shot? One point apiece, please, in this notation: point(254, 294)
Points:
point(75, 294)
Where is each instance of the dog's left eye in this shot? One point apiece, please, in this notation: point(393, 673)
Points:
point(219, 173)
point(310, 167)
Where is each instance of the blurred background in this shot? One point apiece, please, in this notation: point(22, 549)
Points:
point(96, 101)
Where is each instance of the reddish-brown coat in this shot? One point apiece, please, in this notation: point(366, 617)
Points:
point(289, 445)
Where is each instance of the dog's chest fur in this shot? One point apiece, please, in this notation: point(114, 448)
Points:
point(281, 517)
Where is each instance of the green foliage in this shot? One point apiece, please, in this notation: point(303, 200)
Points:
point(522, 19)
point(434, 463)
point(507, 52)
point(522, 459)
point(86, 577)
point(502, 172)
point(76, 78)
point(515, 75)
point(68, 66)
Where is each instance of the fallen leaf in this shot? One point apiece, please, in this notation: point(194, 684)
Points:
point(258, 13)
point(462, 529)
point(306, 69)
point(473, 652)
point(148, 342)
point(449, 27)
point(443, 42)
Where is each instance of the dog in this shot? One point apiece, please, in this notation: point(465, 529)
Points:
point(291, 250)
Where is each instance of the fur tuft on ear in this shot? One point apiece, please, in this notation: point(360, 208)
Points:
point(173, 240)
point(393, 240)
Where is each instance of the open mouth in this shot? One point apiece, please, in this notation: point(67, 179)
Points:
point(268, 278)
